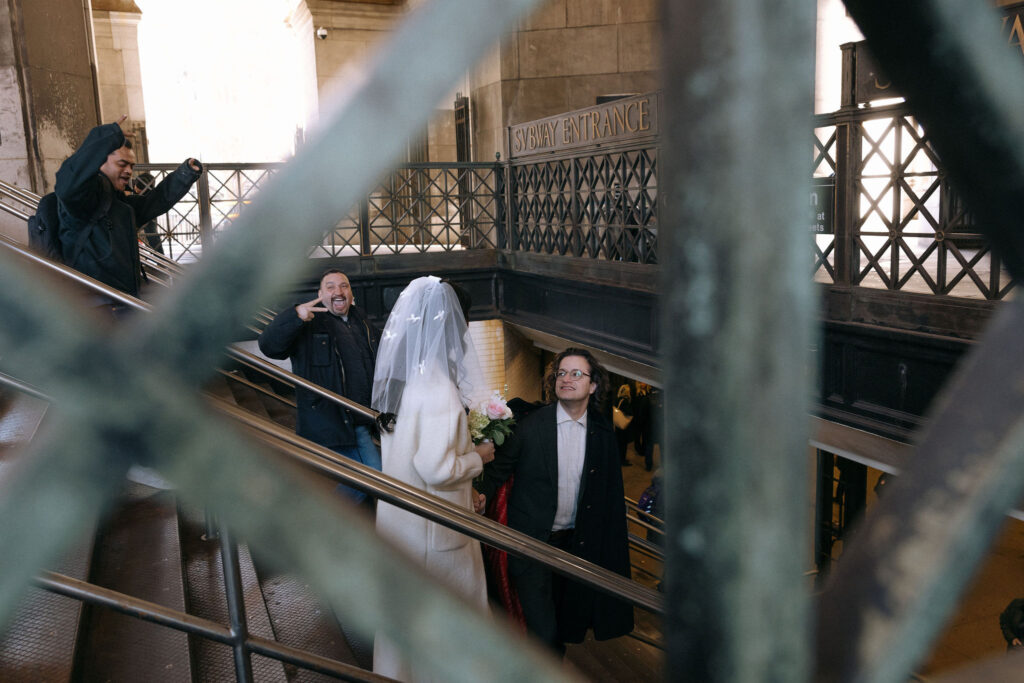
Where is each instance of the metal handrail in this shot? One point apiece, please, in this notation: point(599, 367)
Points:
point(14, 212)
point(417, 501)
point(165, 616)
point(646, 525)
point(229, 374)
point(636, 506)
point(412, 499)
point(26, 197)
point(380, 485)
point(645, 547)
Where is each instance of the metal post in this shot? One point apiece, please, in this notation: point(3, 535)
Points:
point(236, 605)
point(365, 248)
point(823, 512)
point(205, 211)
point(736, 316)
point(500, 206)
point(512, 211)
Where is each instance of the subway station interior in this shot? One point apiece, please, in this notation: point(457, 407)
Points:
point(830, 486)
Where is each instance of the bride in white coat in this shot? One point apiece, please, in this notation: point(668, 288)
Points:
point(422, 383)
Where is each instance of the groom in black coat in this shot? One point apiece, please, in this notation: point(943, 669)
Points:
point(567, 492)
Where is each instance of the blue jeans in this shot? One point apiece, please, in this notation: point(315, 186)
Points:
point(365, 451)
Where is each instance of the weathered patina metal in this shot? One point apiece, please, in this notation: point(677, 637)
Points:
point(902, 573)
point(736, 314)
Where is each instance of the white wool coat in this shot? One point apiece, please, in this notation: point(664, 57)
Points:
point(431, 449)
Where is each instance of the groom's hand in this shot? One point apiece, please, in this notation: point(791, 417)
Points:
point(479, 502)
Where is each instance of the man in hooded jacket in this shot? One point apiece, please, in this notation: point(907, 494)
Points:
point(98, 222)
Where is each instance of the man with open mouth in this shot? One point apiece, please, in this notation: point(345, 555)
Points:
point(331, 343)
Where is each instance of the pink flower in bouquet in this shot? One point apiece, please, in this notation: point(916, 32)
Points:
point(493, 421)
point(496, 408)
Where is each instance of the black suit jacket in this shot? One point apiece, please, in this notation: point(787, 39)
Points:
point(600, 536)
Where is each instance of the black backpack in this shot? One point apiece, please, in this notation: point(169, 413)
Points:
point(44, 229)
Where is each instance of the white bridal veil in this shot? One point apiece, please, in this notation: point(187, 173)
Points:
point(425, 339)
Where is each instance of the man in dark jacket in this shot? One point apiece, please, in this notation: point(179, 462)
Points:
point(567, 492)
point(98, 222)
point(1011, 623)
point(331, 343)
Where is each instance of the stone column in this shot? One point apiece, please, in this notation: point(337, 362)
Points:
point(47, 96)
point(119, 75)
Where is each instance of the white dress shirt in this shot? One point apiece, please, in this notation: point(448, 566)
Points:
point(572, 448)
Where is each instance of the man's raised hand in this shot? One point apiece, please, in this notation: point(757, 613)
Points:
point(305, 311)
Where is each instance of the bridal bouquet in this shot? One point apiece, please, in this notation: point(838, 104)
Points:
point(492, 421)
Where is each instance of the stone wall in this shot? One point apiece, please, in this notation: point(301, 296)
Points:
point(562, 58)
point(47, 96)
point(353, 31)
point(118, 70)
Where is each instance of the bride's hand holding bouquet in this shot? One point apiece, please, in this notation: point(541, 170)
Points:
point(492, 421)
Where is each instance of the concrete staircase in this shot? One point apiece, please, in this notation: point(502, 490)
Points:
point(152, 547)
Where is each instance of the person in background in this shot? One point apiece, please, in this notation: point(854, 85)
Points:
point(143, 183)
point(655, 421)
point(623, 435)
point(331, 343)
point(99, 224)
point(641, 417)
point(1011, 623)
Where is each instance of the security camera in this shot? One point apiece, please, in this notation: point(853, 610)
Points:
point(321, 33)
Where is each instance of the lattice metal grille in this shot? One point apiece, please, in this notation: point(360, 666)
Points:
point(343, 240)
point(417, 208)
point(232, 189)
point(825, 167)
point(912, 233)
point(433, 207)
point(179, 228)
point(601, 206)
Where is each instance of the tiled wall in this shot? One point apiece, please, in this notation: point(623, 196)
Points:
point(488, 339)
point(510, 363)
point(523, 367)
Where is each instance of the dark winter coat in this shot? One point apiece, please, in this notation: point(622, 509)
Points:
point(316, 355)
point(600, 536)
point(1011, 620)
point(99, 225)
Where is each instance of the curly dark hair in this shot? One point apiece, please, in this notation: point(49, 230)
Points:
point(598, 375)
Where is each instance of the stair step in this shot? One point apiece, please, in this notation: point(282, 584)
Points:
point(19, 421)
point(248, 398)
point(207, 598)
point(279, 411)
point(218, 386)
point(137, 553)
point(302, 621)
point(39, 644)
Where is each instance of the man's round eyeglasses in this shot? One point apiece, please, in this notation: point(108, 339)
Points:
point(573, 374)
